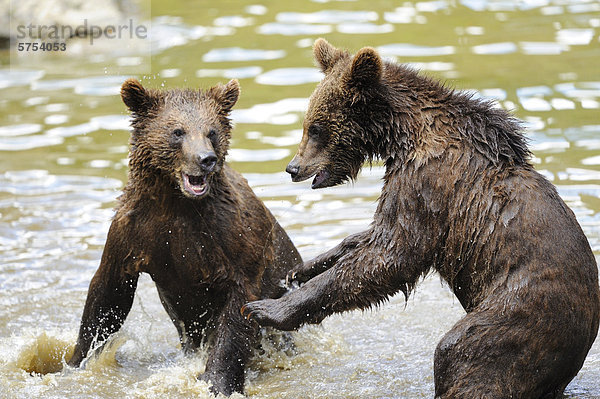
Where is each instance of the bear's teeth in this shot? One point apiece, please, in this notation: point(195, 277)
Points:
point(195, 185)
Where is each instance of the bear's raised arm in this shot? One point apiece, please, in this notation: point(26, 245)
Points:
point(304, 272)
point(109, 299)
point(356, 279)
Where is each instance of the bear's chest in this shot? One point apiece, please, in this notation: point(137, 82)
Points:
point(193, 249)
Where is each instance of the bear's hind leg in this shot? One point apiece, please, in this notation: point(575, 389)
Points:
point(501, 353)
point(233, 343)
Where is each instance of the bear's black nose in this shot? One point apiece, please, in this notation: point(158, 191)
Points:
point(207, 161)
point(292, 169)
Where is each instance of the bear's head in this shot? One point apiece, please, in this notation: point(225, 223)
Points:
point(343, 117)
point(181, 134)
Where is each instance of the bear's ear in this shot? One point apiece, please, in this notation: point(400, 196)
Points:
point(137, 99)
point(227, 95)
point(366, 68)
point(326, 55)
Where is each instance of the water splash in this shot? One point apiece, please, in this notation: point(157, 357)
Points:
point(45, 354)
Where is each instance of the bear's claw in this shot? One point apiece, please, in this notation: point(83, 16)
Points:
point(256, 311)
point(290, 278)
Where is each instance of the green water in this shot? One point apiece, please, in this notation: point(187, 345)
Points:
point(63, 151)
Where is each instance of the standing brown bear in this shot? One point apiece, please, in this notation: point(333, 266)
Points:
point(195, 226)
point(461, 197)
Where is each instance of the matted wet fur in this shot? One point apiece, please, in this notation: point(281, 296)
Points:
point(195, 226)
point(460, 197)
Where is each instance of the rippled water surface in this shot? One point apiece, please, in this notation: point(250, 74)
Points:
point(63, 161)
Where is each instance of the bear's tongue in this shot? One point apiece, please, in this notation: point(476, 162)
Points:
point(320, 178)
point(195, 185)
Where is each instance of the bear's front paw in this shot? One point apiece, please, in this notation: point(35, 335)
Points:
point(219, 384)
point(271, 313)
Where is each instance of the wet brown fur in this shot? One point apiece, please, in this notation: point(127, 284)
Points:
point(208, 255)
point(461, 198)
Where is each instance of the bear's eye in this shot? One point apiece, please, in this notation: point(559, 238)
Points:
point(212, 134)
point(178, 132)
point(314, 131)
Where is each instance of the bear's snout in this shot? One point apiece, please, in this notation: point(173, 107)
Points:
point(293, 168)
point(207, 161)
point(194, 176)
point(200, 162)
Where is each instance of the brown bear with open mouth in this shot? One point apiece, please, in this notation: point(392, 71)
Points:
point(459, 197)
point(195, 226)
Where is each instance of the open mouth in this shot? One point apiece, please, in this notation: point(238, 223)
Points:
point(194, 185)
point(320, 178)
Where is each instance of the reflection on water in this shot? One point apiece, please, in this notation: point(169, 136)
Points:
point(63, 160)
point(231, 73)
point(289, 76)
point(412, 50)
point(282, 112)
point(12, 78)
point(239, 54)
